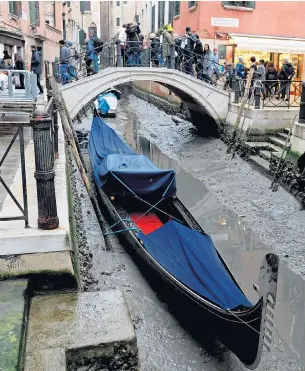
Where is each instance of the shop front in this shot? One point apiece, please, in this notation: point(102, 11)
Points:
point(273, 49)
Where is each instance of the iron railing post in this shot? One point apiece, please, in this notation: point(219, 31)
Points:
point(236, 89)
point(55, 123)
point(119, 54)
point(302, 105)
point(23, 174)
point(44, 171)
point(257, 97)
point(173, 58)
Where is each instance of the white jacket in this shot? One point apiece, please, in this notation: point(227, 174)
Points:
point(122, 36)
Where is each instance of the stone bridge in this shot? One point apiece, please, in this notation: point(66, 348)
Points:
point(206, 102)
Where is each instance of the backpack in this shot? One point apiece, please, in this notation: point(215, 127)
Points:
point(97, 45)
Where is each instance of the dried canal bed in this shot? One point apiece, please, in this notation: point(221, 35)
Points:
point(163, 343)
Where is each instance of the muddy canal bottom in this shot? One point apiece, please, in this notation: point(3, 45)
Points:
point(163, 343)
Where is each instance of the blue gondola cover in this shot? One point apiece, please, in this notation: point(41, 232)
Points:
point(103, 105)
point(116, 166)
point(192, 258)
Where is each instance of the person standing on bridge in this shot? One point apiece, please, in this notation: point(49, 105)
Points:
point(190, 41)
point(166, 45)
point(36, 66)
point(64, 57)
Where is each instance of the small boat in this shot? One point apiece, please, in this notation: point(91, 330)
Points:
point(106, 103)
point(162, 234)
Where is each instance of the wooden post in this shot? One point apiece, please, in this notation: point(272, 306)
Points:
point(69, 135)
point(242, 104)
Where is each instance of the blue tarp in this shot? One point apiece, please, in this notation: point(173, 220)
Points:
point(103, 105)
point(111, 158)
point(192, 258)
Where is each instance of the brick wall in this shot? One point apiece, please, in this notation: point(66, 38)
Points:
point(158, 90)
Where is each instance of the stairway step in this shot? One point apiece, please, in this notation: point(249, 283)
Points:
point(277, 141)
point(282, 136)
point(260, 162)
point(265, 155)
point(287, 130)
point(269, 146)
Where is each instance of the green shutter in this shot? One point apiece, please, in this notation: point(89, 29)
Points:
point(224, 3)
point(251, 4)
point(34, 13)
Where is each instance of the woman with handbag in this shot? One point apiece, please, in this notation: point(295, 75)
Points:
point(19, 65)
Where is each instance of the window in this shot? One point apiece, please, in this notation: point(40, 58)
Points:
point(68, 4)
point(177, 8)
point(118, 3)
point(137, 18)
point(153, 18)
point(125, 2)
point(118, 21)
point(49, 11)
point(171, 6)
point(34, 12)
point(161, 8)
point(15, 8)
point(85, 6)
point(192, 4)
point(239, 4)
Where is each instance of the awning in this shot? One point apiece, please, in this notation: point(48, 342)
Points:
point(269, 44)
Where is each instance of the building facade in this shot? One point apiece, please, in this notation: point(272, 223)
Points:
point(246, 28)
point(26, 23)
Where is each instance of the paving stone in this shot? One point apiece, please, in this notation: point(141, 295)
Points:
point(86, 325)
point(12, 306)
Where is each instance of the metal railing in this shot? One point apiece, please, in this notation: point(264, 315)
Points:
point(269, 93)
point(45, 137)
point(18, 85)
point(142, 54)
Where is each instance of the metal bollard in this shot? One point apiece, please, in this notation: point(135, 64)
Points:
point(302, 105)
point(235, 89)
point(119, 54)
point(257, 97)
point(44, 172)
point(173, 58)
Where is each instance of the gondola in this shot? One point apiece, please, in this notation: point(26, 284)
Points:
point(107, 102)
point(145, 211)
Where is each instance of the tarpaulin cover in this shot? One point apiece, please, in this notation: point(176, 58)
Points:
point(112, 159)
point(103, 105)
point(192, 258)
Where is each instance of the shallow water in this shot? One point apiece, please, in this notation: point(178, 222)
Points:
point(243, 252)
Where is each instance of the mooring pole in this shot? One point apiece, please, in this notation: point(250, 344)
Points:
point(302, 105)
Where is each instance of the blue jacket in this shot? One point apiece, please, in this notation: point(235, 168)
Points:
point(90, 50)
point(36, 62)
point(240, 70)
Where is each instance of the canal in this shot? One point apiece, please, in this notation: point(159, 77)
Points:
point(219, 194)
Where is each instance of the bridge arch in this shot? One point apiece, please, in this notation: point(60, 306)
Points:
point(199, 97)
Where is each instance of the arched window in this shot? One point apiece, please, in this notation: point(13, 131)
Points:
point(92, 29)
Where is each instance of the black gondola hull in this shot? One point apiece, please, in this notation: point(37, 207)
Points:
point(243, 332)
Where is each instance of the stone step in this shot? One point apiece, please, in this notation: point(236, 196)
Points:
point(264, 145)
point(282, 136)
point(277, 141)
point(13, 306)
point(260, 163)
point(286, 130)
point(69, 331)
point(266, 155)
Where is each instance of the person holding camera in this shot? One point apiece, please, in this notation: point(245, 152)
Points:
point(133, 44)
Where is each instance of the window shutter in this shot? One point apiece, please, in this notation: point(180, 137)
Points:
point(224, 3)
point(251, 4)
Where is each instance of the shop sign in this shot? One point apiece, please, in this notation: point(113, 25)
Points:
point(224, 22)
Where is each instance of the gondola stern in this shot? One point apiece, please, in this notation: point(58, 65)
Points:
point(267, 290)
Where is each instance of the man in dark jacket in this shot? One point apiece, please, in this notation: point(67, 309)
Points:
point(285, 76)
point(198, 52)
point(133, 44)
point(36, 66)
point(189, 51)
point(64, 57)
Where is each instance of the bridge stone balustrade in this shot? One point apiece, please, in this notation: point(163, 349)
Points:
point(199, 97)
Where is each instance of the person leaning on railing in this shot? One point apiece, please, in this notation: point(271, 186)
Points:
point(207, 64)
point(19, 65)
point(198, 52)
point(166, 45)
point(89, 57)
point(155, 52)
point(271, 80)
point(133, 44)
point(285, 76)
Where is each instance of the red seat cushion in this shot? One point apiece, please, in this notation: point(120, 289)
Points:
point(147, 223)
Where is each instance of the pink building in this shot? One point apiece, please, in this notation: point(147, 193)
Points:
point(266, 29)
point(26, 23)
